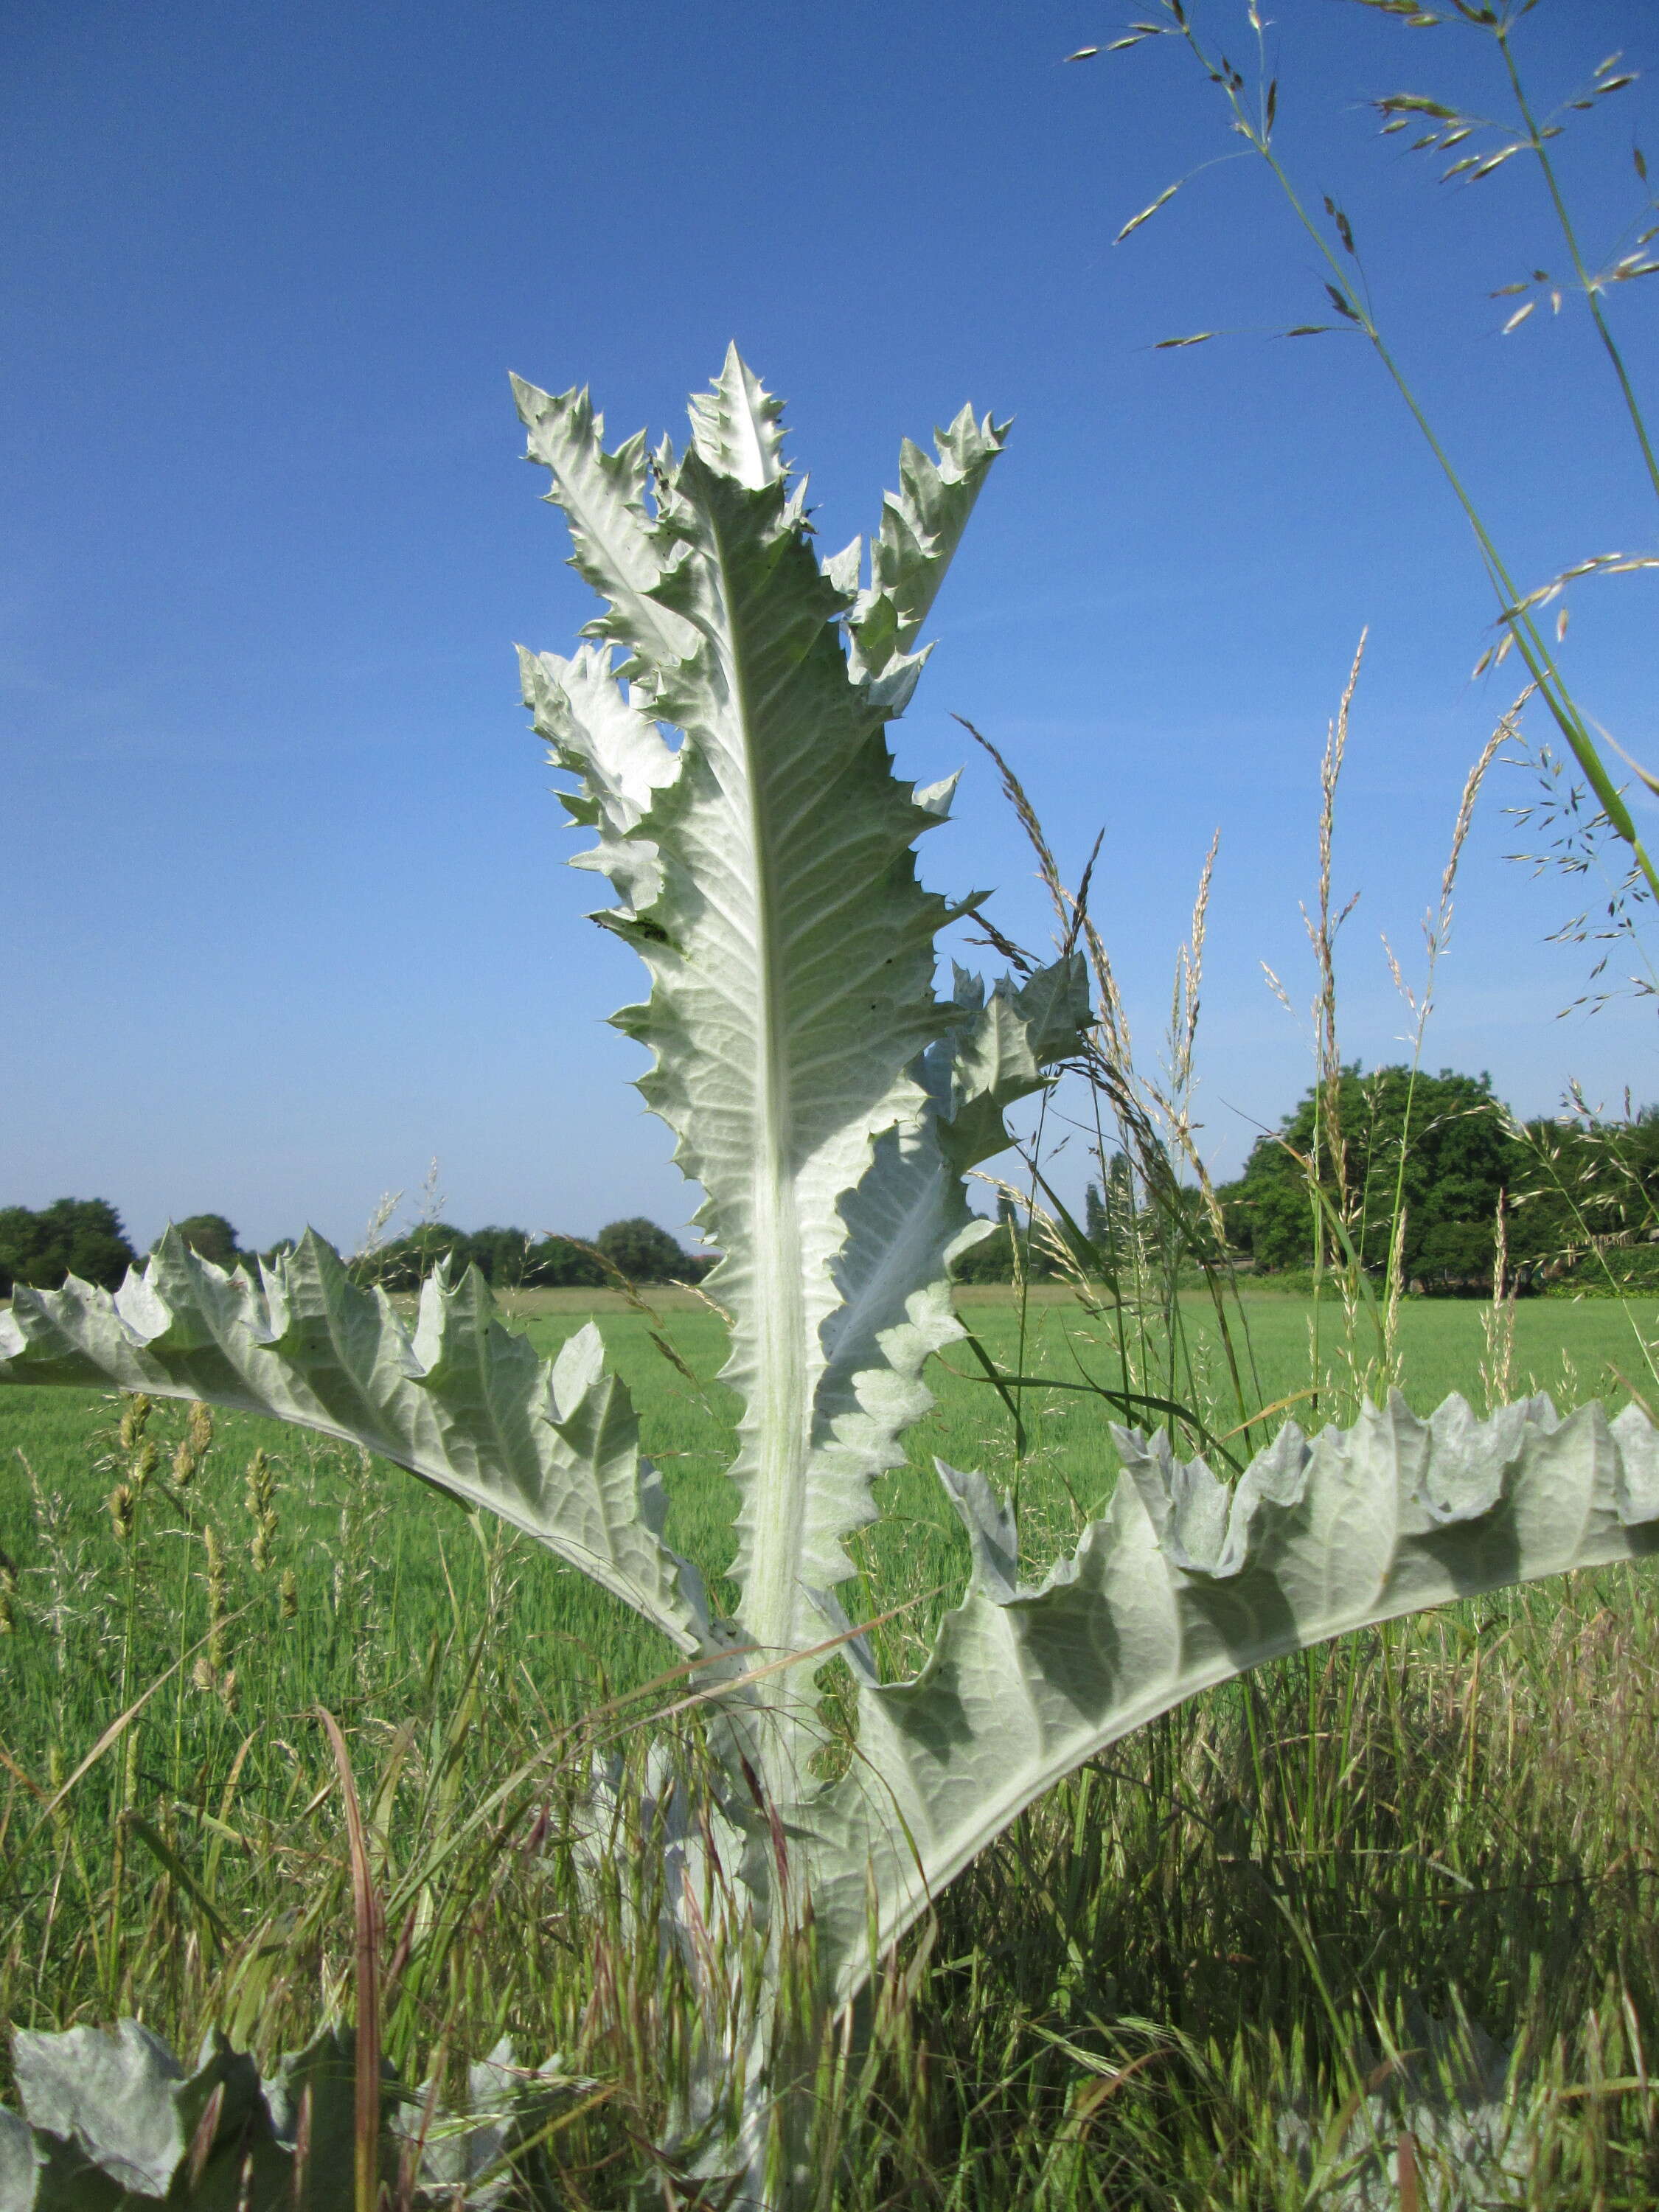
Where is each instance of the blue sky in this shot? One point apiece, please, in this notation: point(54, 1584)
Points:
point(287, 915)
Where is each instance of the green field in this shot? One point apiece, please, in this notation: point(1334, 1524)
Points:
point(582, 1643)
point(1457, 1810)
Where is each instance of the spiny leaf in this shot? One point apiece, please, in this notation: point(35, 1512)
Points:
point(768, 883)
point(603, 494)
point(553, 1447)
point(1184, 1581)
point(738, 428)
point(112, 2118)
point(921, 526)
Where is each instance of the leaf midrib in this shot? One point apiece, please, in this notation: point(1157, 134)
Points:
point(777, 1402)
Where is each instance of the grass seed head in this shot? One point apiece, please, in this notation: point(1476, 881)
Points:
point(261, 1512)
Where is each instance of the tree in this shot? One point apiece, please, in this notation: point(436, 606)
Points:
point(405, 1262)
point(1110, 1212)
point(501, 1255)
point(644, 1254)
point(508, 1259)
point(1011, 1253)
point(81, 1237)
point(1097, 1218)
point(212, 1235)
point(1458, 1161)
point(990, 1261)
point(562, 1263)
point(1582, 1183)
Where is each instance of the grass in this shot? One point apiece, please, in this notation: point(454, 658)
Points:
point(1120, 2004)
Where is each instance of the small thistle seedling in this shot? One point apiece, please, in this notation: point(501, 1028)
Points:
point(829, 1104)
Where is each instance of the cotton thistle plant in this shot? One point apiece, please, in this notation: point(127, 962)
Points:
point(114, 2120)
point(734, 767)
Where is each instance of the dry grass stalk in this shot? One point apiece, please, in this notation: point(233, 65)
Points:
point(1328, 1141)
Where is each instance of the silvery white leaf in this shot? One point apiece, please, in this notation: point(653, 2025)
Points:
point(20, 2163)
point(1181, 1583)
point(551, 1448)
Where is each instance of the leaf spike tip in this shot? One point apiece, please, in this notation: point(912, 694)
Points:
point(738, 428)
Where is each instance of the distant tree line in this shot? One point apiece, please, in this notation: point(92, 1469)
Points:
point(1440, 1154)
point(1439, 1157)
point(511, 1259)
point(81, 1237)
point(1009, 1253)
point(85, 1237)
point(1436, 1156)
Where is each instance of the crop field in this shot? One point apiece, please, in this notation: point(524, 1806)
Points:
point(1120, 2004)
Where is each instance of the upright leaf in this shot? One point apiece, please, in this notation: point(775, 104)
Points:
point(738, 428)
point(768, 885)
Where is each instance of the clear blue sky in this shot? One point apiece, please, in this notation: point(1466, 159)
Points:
point(287, 915)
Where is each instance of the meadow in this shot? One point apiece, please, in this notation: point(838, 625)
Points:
point(1155, 1991)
